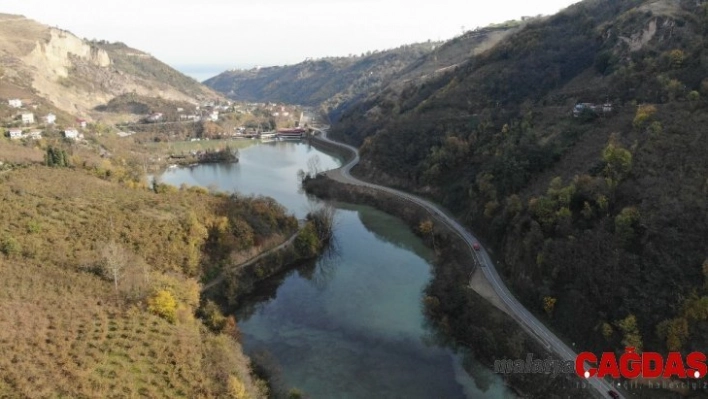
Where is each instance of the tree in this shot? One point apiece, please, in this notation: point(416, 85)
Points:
point(677, 58)
point(607, 330)
point(323, 219)
point(631, 336)
point(514, 205)
point(313, 166)
point(618, 161)
point(549, 304)
point(163, 304)
point(674, 331)
point(426, 228)
point(306, 242)
point(114, 260)
point(236, 389)
point(644, 113)
point(231, 329)
point(624, 224)
point(56, 157)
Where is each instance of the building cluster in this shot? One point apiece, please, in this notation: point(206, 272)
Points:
point(28, 128)
point(591, 107)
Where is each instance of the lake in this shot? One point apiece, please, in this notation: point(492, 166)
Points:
point(350, 324)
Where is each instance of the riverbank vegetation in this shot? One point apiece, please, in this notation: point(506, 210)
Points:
point(100, 283)
point(462, 319)
point(223, 154)
point(310, 241)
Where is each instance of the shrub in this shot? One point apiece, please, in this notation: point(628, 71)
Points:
point(306, 242)
point(10, 246)
point(212, 317)
point(164, 305)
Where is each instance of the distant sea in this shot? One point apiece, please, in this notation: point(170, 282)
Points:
point(204, 72)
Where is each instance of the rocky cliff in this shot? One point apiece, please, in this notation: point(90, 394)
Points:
point(76, 75)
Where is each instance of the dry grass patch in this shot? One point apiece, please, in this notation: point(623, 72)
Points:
point(63, 334)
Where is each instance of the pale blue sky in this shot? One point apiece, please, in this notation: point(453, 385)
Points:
point(231, 33)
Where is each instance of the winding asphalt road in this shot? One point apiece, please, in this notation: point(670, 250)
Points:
point(528, 321)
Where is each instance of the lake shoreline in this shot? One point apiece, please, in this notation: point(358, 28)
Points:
point(449, 269)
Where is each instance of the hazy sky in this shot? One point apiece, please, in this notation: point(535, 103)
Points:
point(230, 33)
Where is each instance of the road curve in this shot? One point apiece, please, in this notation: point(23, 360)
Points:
point(528, 321)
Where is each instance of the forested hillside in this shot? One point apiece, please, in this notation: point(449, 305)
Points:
point(599, 220)
point(314, 82)
point(335, 84)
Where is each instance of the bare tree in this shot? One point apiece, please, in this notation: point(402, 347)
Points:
point(135, 279)
point(313, 166)
point(323, 217)
point(114, 261)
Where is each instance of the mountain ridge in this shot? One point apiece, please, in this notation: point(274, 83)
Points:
point(76, 75)
point(335, 83)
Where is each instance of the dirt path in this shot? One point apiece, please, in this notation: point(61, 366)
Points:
point(256, 258)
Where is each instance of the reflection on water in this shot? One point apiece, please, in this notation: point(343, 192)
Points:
point(268, 169)
point(352, 326)
point(348, 325)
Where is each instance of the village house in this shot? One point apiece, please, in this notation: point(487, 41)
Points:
point(71, 134)
point(81, 123)
point(16, 134)
point(15, 103)
point(157, 116)
point(214, 116)
point(590, 107)
point(28, 118)
point(50, 119)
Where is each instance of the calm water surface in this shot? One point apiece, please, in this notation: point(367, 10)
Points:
point(349, 325)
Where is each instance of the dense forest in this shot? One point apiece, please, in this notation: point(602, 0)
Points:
point(599, 219)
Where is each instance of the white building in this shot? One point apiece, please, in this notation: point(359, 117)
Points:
point(157, 116)
point(214, 116)
point(71, 134)
point(16, 134)
point(15, 103)
point(50, 119)
point(28, 118)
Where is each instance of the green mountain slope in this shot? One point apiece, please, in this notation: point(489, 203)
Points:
point(600, 222)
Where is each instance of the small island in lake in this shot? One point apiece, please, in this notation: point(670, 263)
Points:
point(209, 155)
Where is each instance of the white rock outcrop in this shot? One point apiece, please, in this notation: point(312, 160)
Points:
point(56, 53)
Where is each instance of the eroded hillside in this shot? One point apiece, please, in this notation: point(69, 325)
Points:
point(76, 75)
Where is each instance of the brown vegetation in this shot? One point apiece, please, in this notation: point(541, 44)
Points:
point(98, 290)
